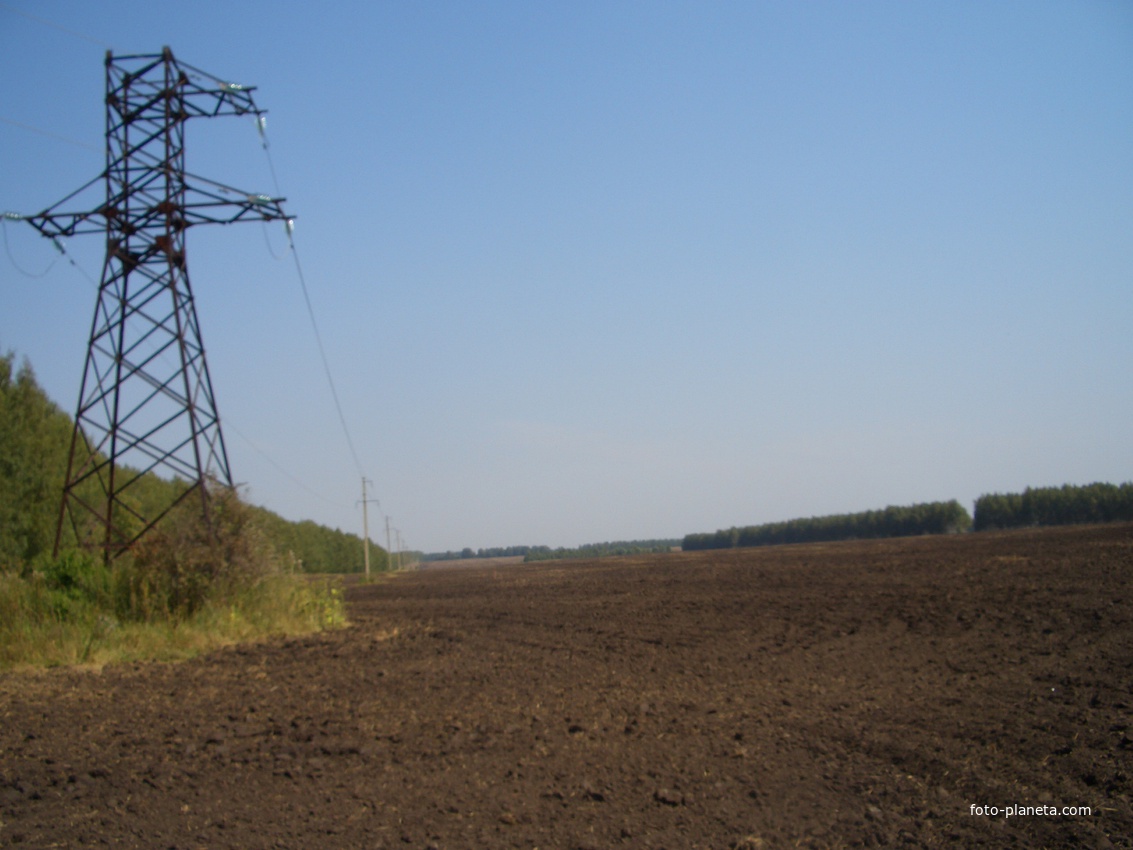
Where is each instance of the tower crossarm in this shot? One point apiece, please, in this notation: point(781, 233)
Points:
point(205, 202)
point(209, 202)
point(136, 92)
point(147, 94)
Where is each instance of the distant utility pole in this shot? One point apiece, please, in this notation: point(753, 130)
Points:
point(389, 549)
point(366, 527)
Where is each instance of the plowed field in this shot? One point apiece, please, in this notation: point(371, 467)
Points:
point(860, 694)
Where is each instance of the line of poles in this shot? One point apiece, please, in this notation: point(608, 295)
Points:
point(390, 551)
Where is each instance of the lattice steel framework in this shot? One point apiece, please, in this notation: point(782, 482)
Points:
point(146, 404)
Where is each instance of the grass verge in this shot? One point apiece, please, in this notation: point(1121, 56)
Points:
point(187, 591)
point(35, 633)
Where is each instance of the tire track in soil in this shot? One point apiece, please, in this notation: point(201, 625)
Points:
point(859, 694)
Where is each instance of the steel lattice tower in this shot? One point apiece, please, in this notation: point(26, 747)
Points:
point(146, 404)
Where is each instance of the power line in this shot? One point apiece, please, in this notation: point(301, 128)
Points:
point(49, 134)
point(323, 356)
point(228, 422)
point(163, 357)
point(267, 242)
point(261, 128)
point(17, 266)
point(59, 246)
point(56, 26)
point(280, 469)
point(310, 312)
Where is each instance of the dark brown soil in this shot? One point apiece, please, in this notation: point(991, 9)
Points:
point(845, 695)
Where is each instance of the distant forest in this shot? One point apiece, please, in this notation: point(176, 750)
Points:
point(35, 437)
point(1069, 504)
point(468, 554)
point(546, 553)
point(601, 550)
point(926, 518)
point(1066, 505)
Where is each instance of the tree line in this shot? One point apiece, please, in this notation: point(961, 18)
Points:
point(1092, 503)
point(546, 553)
point(34, 442)
point(468, 553)
point(925, 518)
point(1065, 505)
point(601, 550)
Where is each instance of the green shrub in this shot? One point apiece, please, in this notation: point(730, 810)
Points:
point(190, 586)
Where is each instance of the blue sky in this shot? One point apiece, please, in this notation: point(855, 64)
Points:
point(611, 270)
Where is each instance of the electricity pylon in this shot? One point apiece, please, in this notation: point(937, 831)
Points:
point(146, 404)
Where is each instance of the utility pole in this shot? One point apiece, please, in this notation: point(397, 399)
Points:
point(146, 404)
point(366, 526)
point(365, 529)
point(389, 549)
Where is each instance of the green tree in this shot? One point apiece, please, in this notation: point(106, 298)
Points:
point(34, 435)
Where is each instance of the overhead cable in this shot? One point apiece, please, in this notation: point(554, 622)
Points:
point(228, 424)
point(59, 246)
point(49, 134)
point(56, 26)
point(8, 250)
point(322, 353)
point(289, 224)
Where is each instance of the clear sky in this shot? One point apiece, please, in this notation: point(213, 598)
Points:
point(590, 271)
